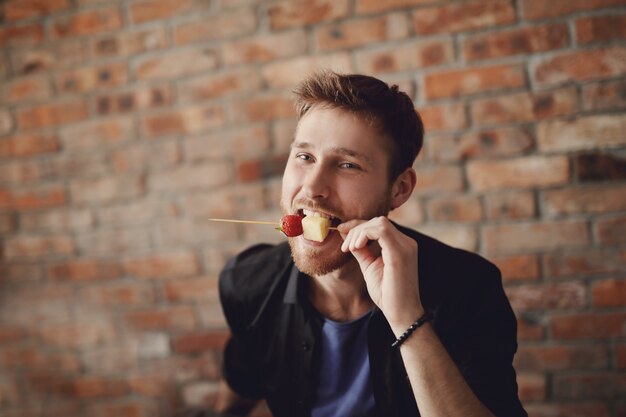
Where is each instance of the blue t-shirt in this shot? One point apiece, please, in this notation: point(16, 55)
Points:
point(345, 388)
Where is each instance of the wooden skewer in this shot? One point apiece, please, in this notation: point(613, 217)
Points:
point(244, 221)
point(253, 222)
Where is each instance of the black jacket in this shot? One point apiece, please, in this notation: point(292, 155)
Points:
point(272, 352)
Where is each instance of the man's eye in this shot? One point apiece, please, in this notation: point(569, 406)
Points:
point(348, 165)
point(303, 157)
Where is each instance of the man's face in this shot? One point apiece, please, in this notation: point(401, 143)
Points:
point(337, 167)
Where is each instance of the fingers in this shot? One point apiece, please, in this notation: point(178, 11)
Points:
point(357, 233)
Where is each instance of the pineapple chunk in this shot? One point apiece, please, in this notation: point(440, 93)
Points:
point(315, 228)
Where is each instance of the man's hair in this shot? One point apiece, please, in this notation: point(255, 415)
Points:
point(387, 108)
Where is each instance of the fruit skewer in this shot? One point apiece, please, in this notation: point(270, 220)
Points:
point(292, 225)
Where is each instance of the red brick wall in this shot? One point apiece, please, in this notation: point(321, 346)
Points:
point(124, 125)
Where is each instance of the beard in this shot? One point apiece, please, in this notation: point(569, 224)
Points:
point(324, 260)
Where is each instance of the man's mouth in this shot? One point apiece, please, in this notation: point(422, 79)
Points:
point(334, 221)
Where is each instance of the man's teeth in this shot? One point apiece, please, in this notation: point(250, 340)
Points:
point(316, 214)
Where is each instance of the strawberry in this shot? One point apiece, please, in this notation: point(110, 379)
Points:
point(291, 225)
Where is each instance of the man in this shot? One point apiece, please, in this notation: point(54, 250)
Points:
point(313, 323)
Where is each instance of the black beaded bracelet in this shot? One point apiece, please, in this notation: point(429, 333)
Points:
point(417, 324)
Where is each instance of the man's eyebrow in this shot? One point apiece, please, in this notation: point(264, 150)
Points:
point(337, 149)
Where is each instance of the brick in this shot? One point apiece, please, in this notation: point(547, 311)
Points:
point(599, 166)
point(179, 63)
point(263, 108)
point(168, 318)
point(28, 145)
point(200, 342)
point(24, 9)
point(90, 387)
point(574, 409)
point(57, 220)
point(620, 355)
point(119, 294)
point(192, 289)
point(25, 358)
point(287, 14)
point(138, 157)
point(532, 387)
point(264, 48)
point(215, 86)
point(287, 73)
point(146, 11)
point(459, 236)
point(535, 236)
point(23, 35)
point(486, 143)
point(56, 56)
point(224, 201)
point(136, 212)
point(103, 190)
point(242, 143)
point(6, 122)
point(596, 385)
point(454, 83)
point(97, 134)
point(113, 241)
point(529, 329)
point(189, 119)
point(437, 179)
point(609, 293)
point(376, 6)
point(606, 95)
point(539, 9)
point(584, 200)
point(132, 100)
point(568, 295)
point(35, 198)
point(192, 177)
point(588, 262)
point(87, 79)
point(88, 23)
point(524, 172)
point(462, 208)
point(8, 223)
point(611, 231)
point(19, 247)
point(590, 326)
point(449, 116)
point(359, 32)
point(462, 17)
point(84, 270)
point(150, 385)
point(581, 65)
point(163, 266)
point(524, 107)
point(127, 408)
point(560, 357)
point(405, 56)
point(525, 40)
point(172, 233)
point(518, 268)
point(261, 168)
point(600, 29)
point(24, 89)
point(575, 134)
point(55, 114)
point(125, 44)
point(511, 205)
point(218, 27)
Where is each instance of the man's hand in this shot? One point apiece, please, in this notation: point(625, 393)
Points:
point(388, 261)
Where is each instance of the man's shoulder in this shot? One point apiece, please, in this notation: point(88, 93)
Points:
point(440, 259)
point(257, 265)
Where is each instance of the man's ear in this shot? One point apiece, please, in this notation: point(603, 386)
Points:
point(402, 187)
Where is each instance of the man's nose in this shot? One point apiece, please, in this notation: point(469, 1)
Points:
point(316, 182)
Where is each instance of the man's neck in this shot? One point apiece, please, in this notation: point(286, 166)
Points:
point(340, 295)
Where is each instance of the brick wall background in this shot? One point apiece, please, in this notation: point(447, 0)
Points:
point(124, 125)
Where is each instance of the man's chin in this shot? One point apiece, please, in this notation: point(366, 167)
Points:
point(316, 262)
